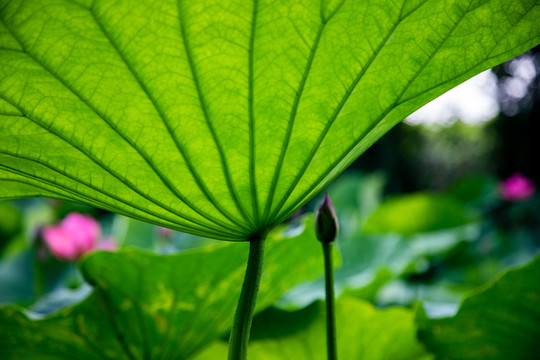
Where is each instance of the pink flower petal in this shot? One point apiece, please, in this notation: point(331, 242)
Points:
point(60, 244)
point(83, 230)
point(516, 188)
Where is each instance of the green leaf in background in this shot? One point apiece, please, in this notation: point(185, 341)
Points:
point(10, 223)
point(364, 332)
point(500, 322)
point(407, 235)
point(17, 278)
point(478, 191)
point(418, 213)
point(163, 307)
point(221, 118)
point(409, 231)
point(356, 196)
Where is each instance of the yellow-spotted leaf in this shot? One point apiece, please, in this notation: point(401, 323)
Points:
point(147, 306)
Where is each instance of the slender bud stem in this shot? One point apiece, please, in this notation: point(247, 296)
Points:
point(330, 302)
point(240, 331)
point(326, 230)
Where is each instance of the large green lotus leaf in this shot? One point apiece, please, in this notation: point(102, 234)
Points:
point(499, 322)
point(222, 117)
point(161, 307)
point(363, 332)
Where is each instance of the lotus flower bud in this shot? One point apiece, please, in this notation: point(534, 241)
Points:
point(326, 224)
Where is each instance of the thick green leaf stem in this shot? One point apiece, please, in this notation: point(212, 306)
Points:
point(243, 317)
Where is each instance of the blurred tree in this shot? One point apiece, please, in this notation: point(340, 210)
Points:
point(518, 124)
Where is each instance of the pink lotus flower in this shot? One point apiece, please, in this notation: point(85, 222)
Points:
point(516, 188)
point(76, 235)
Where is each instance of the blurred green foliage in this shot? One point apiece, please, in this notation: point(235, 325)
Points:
point(498, 322)
point(427, 247)
point(10, 222)
point(418, 213)
point(146, 305)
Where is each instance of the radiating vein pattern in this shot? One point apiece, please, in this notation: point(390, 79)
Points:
point(222, 117)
